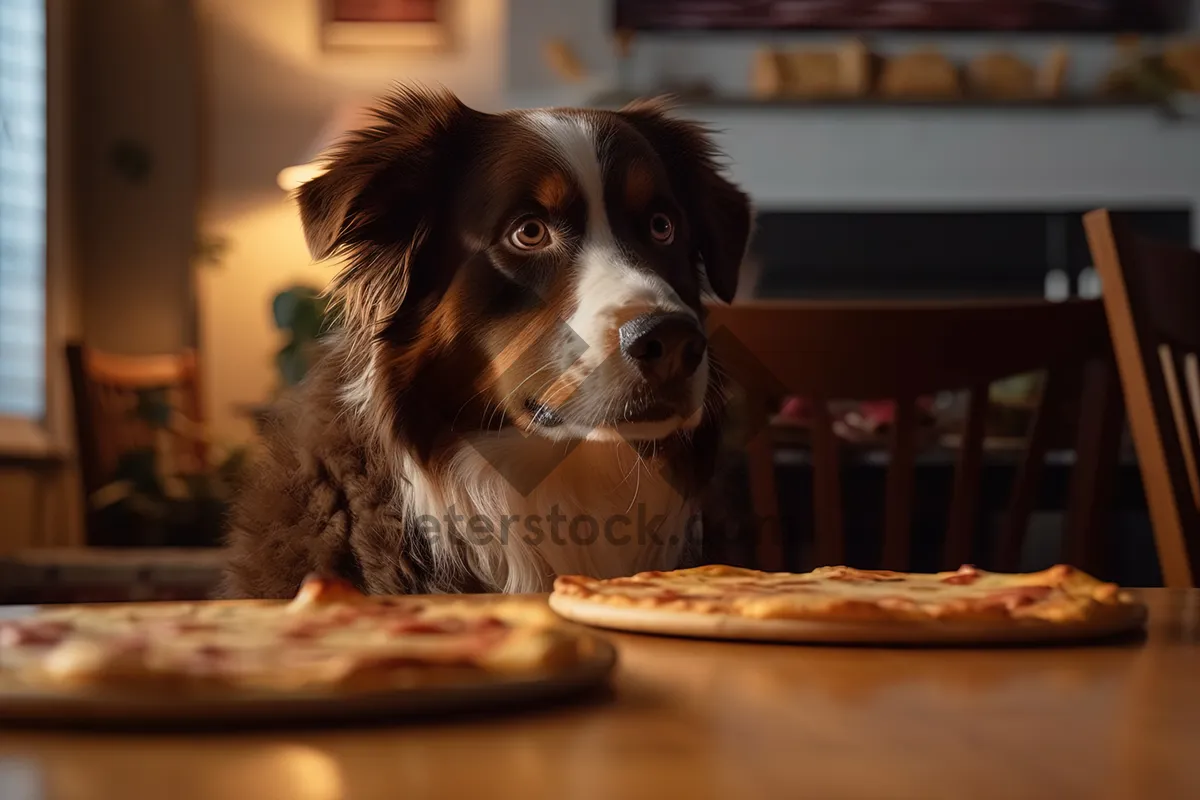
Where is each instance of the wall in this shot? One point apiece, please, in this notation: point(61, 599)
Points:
point(134, 80)
point(269, 91)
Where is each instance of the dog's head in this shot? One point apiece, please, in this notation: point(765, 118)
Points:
point(534, 269)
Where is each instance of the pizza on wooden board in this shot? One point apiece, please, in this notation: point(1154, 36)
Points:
point(847, 604)
point(328, 638)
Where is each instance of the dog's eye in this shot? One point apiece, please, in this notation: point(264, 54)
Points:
point(662, 229)
point(530, 234)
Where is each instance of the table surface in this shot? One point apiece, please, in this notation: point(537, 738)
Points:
point(711, 719)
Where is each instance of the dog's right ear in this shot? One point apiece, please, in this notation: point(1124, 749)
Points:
point(378, 199)
point(373, 169)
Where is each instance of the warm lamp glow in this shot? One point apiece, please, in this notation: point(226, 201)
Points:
point(292, 178)
point(346, 118)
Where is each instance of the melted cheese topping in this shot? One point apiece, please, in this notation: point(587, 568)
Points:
point(1060, 593)
point(330, 639)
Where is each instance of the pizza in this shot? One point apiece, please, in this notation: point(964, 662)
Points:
point(843, 603)
point(329, 637)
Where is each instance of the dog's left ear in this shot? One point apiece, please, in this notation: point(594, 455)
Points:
point(719, 213)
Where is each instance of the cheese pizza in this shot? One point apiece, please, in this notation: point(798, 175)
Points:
point(846, 604)
point(328, 638)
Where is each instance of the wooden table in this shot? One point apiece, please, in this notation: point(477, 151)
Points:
point(721, 720)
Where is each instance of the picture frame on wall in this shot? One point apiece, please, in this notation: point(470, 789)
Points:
point(385, 24)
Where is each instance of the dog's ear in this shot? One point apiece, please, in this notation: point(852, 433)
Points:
point(719, 213)
point(376, 200)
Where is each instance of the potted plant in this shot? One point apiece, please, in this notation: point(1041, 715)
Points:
point(156, 498)
point(301, 312)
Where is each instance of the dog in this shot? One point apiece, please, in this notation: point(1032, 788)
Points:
point(518, 383)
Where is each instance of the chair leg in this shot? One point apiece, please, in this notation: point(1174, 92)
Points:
point(1102, 419)
point(768, 532)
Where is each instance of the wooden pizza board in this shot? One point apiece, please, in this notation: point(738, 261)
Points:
point(22, 704)
point(1124, 619)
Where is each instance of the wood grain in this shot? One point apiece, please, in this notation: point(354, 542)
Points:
point(723, 720)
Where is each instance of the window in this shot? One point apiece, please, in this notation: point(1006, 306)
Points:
point(22, 208)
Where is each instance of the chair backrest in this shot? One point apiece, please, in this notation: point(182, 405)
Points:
point(106, 390)
point(831, 351)
point(1152, 296)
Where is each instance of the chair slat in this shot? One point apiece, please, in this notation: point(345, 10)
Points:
point(768, 543)
point(1007, 556)
point(899, 487)
point(1177, 369)
point(1097, 447)
point(967, 478)
point(828, 547)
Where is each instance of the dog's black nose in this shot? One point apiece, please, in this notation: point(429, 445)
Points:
point(666, 347)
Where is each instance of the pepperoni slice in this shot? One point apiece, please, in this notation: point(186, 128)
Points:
point(1015, 597)
point(965, 576)
point(33, 632)
point(308, 629)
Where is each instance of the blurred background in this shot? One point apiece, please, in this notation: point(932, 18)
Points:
point(933, 150)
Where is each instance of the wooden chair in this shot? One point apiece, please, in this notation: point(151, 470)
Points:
point(105, 389)
point(1152, 296)
point(827, 351)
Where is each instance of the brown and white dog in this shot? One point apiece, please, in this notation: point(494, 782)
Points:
point(519, 384)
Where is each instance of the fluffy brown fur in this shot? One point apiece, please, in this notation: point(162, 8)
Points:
point(442, 322)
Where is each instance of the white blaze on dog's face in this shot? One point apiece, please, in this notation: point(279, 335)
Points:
point(613, 291)
point(541, 270)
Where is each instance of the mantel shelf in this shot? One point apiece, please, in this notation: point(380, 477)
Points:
point(746, 103)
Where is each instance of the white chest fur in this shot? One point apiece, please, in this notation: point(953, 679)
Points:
point(517, 512)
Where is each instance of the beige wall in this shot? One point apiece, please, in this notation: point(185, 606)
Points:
point(268, 91)
point(135, 79)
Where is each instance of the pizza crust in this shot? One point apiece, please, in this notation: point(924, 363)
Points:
point(668, 622)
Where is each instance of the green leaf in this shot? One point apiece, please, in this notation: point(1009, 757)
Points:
point(153, 407)
point(140, 469)
point(283, 308)
point(306, 322)
point(292, 363)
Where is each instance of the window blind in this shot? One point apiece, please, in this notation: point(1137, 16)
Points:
point(22, 207)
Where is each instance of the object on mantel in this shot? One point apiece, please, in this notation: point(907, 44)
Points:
point(923, 73)
point(1136, 73)
point(563, 61)
point(1001, 75)
point(768, 74)
point(1053, 73)
point(1182, 60)
point(844, 71)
